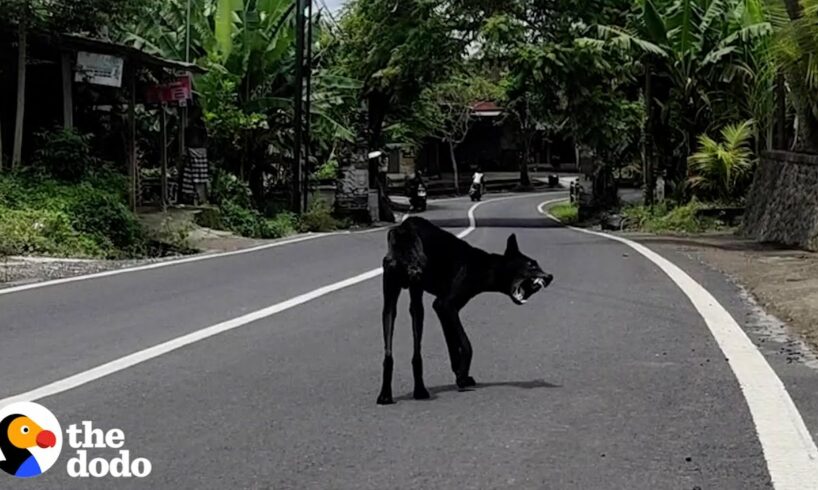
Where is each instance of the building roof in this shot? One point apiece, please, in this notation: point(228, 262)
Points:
point(486, 109)
point(109, 47)
point(76, 42)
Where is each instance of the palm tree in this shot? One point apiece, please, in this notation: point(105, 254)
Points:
point(719, 169)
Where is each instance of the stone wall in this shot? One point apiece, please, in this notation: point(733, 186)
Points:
point(782, 206)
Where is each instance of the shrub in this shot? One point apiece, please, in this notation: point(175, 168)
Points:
point(327, 171)
point(226, 187)
point(282, 225)
point(319, 218)
point(242, 220)
point(65, 155)
point(664, 217)
point(29, 231)
point(43, 215)
point(108, 220)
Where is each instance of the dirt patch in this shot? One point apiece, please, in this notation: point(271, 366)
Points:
point(783, 281)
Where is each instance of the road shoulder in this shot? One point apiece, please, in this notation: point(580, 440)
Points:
point(793, 360)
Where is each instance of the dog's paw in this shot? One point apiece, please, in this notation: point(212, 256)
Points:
point(385, 399)
point(421, 394)
point(466, 382)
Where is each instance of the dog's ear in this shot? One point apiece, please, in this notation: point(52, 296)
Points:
point(511, 246)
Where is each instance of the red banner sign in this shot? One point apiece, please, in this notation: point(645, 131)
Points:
point(178, 91)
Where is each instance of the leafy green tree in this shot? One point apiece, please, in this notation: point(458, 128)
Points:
point(398, 49)
point(452, 108)
point(553, 82)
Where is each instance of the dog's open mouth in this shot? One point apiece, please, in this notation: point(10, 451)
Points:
point(527, 287)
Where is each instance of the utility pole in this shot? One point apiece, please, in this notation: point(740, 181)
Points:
point(298, 105)
point(307, 105)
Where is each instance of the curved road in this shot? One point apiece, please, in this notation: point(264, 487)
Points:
point(609, 379)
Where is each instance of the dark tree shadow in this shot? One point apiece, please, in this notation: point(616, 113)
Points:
point(525, 385)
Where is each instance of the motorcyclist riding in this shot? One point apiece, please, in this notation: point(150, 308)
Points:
point(478, 185)
point(416, 191)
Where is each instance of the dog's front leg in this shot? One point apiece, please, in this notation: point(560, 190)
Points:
point(391, 291)
point(416, 309)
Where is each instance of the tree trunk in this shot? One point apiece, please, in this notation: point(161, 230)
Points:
point(647, 152)
point(525, 179)
point(793, 9)
point(377, 114)
point(17, 155)
point(454, 168)
point(780, 114)
point(1, 139)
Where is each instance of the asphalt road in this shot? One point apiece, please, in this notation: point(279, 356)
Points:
point(609, 379)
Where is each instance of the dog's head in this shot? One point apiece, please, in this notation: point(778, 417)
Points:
point(524, 275)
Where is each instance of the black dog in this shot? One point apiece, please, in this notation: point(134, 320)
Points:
point(423, 257)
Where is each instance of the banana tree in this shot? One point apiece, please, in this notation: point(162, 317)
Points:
point(795, 52)
point(699, 58)
point(248, 48)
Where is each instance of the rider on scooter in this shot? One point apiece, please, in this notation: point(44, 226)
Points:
point(478, 180)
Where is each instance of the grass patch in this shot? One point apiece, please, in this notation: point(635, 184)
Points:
point(667, 218)
point(43, 216)
point(565, 212)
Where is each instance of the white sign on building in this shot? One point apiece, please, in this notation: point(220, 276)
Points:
point(99, 69)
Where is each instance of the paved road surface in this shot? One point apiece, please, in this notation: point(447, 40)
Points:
point(609, 379)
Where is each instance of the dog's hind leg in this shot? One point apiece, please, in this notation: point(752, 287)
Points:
point(463, 378)
point(391, 291)
point(416, 308)
point(460, 351)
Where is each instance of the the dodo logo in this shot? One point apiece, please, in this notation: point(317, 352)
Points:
point(30, 439)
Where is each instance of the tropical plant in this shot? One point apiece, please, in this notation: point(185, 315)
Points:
point(247, 94)
point(701, 61)
point(720, 169)
point(795, 51)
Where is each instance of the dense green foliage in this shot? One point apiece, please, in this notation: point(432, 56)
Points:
point(667, 217)
point(634, 83)
point(40, 215)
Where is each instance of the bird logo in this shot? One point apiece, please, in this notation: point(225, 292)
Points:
point(30, 439)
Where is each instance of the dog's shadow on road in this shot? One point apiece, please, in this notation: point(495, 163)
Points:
point(525, 385)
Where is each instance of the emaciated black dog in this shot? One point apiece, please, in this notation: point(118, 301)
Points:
point(423, 257)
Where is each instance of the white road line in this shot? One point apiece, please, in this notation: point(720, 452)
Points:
point(139, 357)
point(158, 265)
point(790, 452)
point(541, 208)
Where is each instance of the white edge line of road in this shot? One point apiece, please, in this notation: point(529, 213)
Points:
point(197, 258)
point(789, 449)
point(165, 263)
point(149, 353)
point(187, 260)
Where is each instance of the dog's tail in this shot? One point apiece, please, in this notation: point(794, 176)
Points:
point(405, 252)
